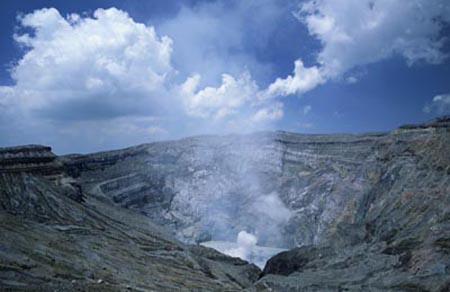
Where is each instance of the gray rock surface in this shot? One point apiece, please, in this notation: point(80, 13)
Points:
point(367, 212)
point(213, 187)
point(394, 236)
point(52, 242)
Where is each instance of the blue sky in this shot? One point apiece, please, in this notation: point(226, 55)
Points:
point(84, 76)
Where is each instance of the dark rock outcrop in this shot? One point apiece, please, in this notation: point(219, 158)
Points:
point(40, 161)
point(35, 159)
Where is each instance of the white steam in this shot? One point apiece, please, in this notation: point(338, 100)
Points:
point(245, 248)
point(272, 207)
point(246, 242)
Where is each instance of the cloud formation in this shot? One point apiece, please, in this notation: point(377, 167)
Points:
point(355, 33)
point(303, 80)
point(90, 68)
point(360, 32)
point(216, 37)
point(197, 72)
point(440, 105)
point(218, 102)
point(93, 71)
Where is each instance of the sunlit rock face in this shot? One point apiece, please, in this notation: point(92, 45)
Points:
point(287, 189)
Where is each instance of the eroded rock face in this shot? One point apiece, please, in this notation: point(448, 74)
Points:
point(360, 212)
point(396, 236)
point(36, 160)
point(50, 241)
point(202, 188)
point(384, 195)
point(288, 189)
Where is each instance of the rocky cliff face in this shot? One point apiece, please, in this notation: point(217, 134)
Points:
point(301, 185)
point(52, 241)
point(32, 159)
point(37, 160)
point(392, 237)
point(359, 212)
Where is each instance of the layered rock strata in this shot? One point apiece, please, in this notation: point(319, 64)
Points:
point(51, 241)
point(367, 212)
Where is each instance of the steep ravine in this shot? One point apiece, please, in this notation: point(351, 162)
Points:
point(366, 212)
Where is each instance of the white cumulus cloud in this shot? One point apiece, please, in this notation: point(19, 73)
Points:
point(360, 32)
point(92, 71)
point(218, 102)
point(234, 103)
point(354, 33)
point(272, 112)
point(107, 63)
point(440, 105)
point(303, 80)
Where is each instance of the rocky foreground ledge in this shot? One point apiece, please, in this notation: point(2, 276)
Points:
point(366, 212)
